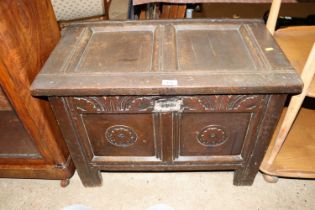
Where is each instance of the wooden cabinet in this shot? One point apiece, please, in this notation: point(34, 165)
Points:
point(31, 144)
point(167, 95)
point(15, 142)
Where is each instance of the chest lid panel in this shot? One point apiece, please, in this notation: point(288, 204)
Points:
point(166, 57)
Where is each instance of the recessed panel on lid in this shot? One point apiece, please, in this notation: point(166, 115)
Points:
point(117, 51)
point(160, 57)
point(212, 48)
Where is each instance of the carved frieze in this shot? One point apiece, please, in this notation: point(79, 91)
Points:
point(114, 104)
point(222, 103)
point(208, 103)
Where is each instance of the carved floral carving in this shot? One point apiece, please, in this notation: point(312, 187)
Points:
point(121, 135)
point(212, 136)
point(222, 103)
point(114, 104)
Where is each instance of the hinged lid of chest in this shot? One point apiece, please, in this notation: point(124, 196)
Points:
point(167, 57)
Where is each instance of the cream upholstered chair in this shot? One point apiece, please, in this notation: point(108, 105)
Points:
point(298, 159)
point(73, 10)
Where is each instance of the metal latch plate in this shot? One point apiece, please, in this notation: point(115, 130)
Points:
point(168, 105)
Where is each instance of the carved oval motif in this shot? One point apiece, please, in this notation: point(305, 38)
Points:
point(121, 135)
point(212, 136)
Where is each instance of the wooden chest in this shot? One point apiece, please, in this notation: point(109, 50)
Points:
point(167, 95)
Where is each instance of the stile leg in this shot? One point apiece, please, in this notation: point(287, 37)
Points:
point(91, 178)
point(245, 176)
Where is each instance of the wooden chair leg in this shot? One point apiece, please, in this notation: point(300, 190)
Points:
point(293, 109)
point(294, 106)
point(106, 9)
point(273, 16)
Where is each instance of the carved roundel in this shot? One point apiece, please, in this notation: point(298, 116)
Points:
point(121, 135)
point(212, 136)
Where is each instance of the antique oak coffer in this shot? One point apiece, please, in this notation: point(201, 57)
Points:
point(167, 95)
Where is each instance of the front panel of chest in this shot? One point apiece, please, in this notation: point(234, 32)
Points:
point(167, 130)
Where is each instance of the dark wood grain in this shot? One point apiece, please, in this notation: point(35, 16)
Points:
point(170, 95)
point(217, 57)
point(181, 11)
point(165, 11)
point(173, 11)
point(28, 34)
point(209, 132)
